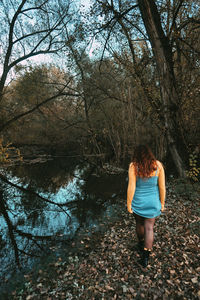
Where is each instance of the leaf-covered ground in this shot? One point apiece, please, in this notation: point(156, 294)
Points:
point(105, 266)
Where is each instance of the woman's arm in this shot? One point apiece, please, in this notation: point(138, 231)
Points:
point(131, 186)
point(161, 185)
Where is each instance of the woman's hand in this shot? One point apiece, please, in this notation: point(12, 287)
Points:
point(130, 209)
point(162, 208)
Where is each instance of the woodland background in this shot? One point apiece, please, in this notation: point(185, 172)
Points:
point(92, 79)
point(141, 83)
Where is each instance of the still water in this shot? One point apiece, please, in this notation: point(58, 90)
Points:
point(51, 203)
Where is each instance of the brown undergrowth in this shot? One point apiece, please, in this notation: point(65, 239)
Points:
point(106, 264)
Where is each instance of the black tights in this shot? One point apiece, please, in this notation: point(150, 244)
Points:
point(144, 230)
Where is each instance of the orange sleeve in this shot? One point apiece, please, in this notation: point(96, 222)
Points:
point(131, 185)
point(161, 185)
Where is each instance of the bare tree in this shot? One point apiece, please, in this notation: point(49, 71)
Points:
point(141, 21)
point(168, 89)
point(31, 28)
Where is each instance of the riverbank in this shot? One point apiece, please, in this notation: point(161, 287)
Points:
point(105, 264)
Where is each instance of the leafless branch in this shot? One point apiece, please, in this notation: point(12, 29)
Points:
point(4, 179)
point(14, 119)
point(175, 16)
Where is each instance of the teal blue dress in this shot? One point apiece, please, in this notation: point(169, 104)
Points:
point(146, 201)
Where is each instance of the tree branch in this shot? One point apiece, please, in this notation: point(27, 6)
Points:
point(4, 179)
point(175, 16)
point(6, 124)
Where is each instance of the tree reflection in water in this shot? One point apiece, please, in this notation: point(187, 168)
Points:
point(33, 213)
point(44, 204)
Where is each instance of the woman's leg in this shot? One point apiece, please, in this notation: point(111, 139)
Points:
point(139, 227)
point(148, 233)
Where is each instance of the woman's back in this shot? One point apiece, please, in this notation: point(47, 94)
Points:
point(146, 202)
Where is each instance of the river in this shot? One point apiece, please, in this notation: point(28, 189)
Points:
point(50, 204)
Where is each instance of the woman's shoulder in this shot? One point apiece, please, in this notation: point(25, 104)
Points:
point(131, 165)
point(131, 170)
point(159, 164)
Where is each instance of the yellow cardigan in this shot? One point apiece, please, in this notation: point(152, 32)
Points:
point(132, 184)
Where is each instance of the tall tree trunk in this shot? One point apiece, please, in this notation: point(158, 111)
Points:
point(169, 96)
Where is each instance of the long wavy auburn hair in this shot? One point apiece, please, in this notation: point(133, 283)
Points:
point(144, 161)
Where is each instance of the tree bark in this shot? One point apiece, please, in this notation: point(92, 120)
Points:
point(169, 96)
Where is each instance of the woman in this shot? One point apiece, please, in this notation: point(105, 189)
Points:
point(145, 196)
